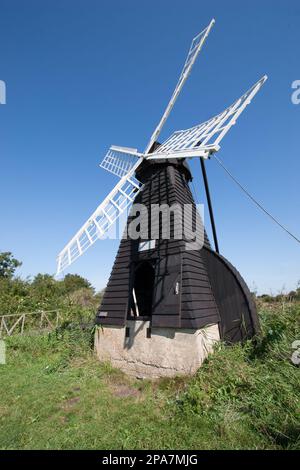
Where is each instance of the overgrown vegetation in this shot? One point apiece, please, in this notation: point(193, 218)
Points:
point(73, 296)
point(55, 394)
point(253, 390)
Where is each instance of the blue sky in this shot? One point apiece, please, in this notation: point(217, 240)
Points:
point(82, 75)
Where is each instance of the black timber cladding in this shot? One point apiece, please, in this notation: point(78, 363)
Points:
point(199, 302)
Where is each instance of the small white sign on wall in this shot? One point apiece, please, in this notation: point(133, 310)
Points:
point(148, 245)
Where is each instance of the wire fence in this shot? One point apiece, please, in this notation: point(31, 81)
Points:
point(18, 323)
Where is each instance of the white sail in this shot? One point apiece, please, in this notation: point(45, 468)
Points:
point(106, 214)
point(204, 139)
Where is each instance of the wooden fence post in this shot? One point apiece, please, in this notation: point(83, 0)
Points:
point(23, 323)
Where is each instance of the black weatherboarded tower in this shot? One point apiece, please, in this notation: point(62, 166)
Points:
point(175, 287)
point(165, 304)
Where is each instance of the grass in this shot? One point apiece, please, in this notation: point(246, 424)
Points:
point(56, 395)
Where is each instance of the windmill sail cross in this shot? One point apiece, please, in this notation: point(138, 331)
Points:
point(199, 141)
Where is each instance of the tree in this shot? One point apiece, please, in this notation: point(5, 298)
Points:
point(73, 282)
point(46, 290)
point(8, 265)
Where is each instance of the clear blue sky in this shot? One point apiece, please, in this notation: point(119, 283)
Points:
point(84, 74)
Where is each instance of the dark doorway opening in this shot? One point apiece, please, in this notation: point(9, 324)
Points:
point(143, 286)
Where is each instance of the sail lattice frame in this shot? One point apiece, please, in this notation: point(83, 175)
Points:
point(195, 48)
point(106, 214)
point(204, 139)
point(120, 160)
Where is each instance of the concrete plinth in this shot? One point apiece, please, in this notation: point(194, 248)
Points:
point(168, 352)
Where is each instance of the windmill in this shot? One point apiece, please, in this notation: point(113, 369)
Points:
point(164, 306)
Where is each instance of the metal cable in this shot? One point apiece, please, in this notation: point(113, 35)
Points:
point(255, 201)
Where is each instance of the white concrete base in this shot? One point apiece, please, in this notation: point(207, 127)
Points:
point(169, 352)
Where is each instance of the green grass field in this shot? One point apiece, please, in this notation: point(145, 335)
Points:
point(56, 395)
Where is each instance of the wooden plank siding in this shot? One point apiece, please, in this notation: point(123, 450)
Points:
point(202, 298)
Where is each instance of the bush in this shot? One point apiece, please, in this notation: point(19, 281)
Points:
point(73, 296)
point(18, 297)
